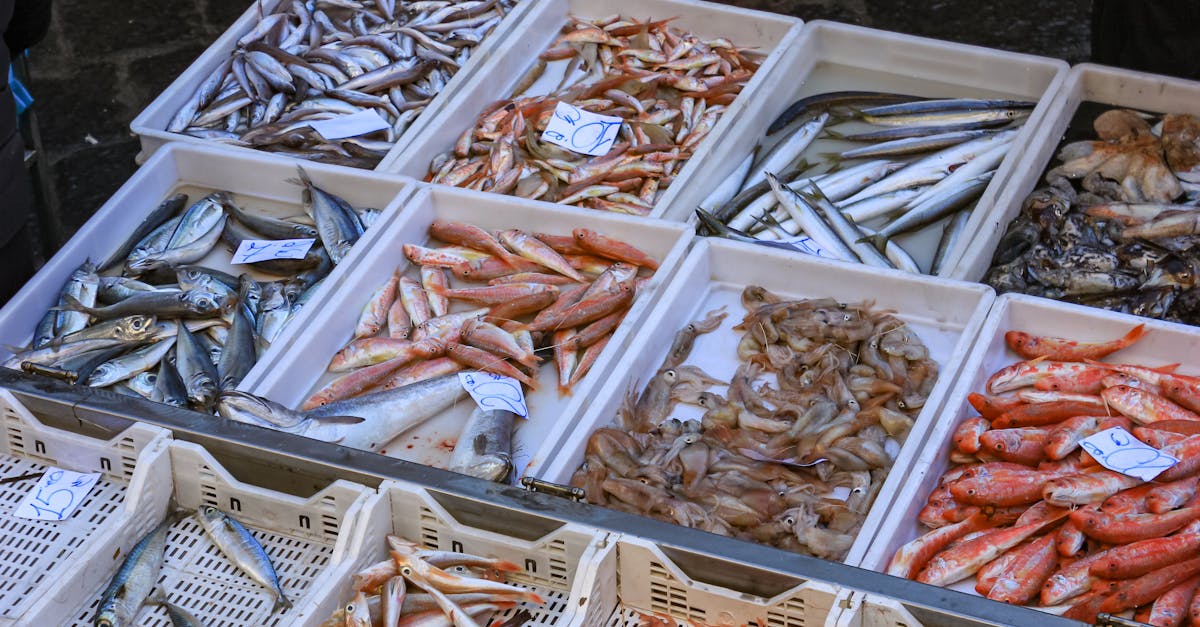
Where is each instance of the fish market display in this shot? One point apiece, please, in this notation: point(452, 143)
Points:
point(1033, 517)
point(501, 302)
point(315, 61)
point(153, 321)
point(668, 87)
point(1115, 227)
point(129, 591)
point(794, 451)
point(900, 165)
point(417, 586)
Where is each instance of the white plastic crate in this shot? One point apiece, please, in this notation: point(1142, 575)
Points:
point(766, 32)
point(258, 181)
point(945, 315)
point(871, 610)
point(554, 556)
point(307, 540)
point(634, 583)
point(302, 369)
point(1085, 83)
point(1164, 343)
point(41, 562)
point(150, 125)
point(828, 56)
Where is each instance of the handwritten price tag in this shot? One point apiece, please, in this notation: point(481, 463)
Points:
point(581, 131)
point(255, 250)
point(494, 391)
point(57, 494)
point(353, 125)
point(1116, 449)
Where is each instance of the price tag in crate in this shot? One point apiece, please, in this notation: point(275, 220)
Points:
point(57, 494)
point(255, 250)
point(495, 391)
point(353, 125)
point(1116, 449)
point(581, 131)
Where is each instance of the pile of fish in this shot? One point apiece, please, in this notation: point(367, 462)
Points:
point(131, 586)
point(668, 86)
point(176, 332)
point(795, 452)
point(544, 292)
point(458, 589)
point(316, 60)
point(1118, 224)
point(1033, 516)
point(922, 163)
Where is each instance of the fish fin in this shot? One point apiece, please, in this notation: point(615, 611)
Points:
point(340, 420)
point(71, 304)
point(831, 157)
point(281, 602)
point(878, 241)
point(1167, 369)
point(158, 597)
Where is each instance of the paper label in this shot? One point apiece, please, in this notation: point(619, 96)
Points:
point(581, 131)
point(806, 245)
point(1116, 449)
point(57, 494)
point(353, 125)
point(495, 391)
point(255, 250)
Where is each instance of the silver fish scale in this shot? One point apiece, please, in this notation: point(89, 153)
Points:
point(43, 540)
point(199, 578)
point(261, 70)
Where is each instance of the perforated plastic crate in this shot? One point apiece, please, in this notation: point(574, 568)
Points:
point(870, 610)
point(40, 561)
point(635, 583)
point(306, 539)
point(554, 556)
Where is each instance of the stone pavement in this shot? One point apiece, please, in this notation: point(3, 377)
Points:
point(105, 60)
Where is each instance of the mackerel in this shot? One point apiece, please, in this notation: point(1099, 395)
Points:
point(131, 585)
point(237, 543)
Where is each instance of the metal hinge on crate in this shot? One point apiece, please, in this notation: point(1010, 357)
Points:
point(1108, 620)
point(555, 489)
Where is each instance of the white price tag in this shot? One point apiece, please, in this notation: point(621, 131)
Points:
point(353, 125)
point(495, 391)
point(1116, 449)
point(806, 245)
point(57, 494)
point(255, 250)
point(581, 131)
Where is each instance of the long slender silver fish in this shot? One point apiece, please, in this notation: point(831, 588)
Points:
point(236, 542)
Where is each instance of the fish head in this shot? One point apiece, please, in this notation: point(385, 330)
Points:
point(357, 612)
point(209, 516)
point(142, 264)
point(202, 301)
point(135, 328)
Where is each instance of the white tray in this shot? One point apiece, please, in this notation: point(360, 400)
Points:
point(634, 580)
point(307, 540)
point(150, 125)
point(43, 560)
point(1164, 343)
point(1085, 83)
point(554, 556)
point(258, 181)
point(946, 315)
point(293, 378)
point(769, 32)
point(828, 56)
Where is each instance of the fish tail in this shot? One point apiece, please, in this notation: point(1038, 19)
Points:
point(877, 240)
point(832, 134)
point(281, 602)
point(533, 597)
point(1134, 335)
point(506, 566)
point(831, 157)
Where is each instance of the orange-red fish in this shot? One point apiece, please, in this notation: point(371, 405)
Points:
point(1061, 349)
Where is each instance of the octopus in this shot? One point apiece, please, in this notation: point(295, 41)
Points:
point(1128, 153)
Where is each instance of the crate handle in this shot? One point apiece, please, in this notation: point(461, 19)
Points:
point(554, 489)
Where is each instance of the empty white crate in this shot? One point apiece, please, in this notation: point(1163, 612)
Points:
point(43, 562)
point(258, 181)
point(1085, 83)
point(554, 556)
point(766, 32)
point(307, 539)
point(828, 56)
point(1164, 343)
point(945, 315)
point(634, 583)
point(303, 368)
point(150, 125)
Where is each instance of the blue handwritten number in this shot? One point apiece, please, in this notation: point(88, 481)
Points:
point(255, 252)
point(500, 394)
point(45, 499)
point(556, 136)
point(570, 116)
point(591, 136)
point(1129, 460)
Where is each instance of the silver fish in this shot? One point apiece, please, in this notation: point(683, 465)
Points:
point(810, 221)
point(179, 616)
point(82, 286)
point(195, 368)
point(162, 213)
point(130, 364)
point(236, 542)
point(238, 353)
point(392, 412)
point(484, 449)
point(338, 229)
point(131, 585)
point(189, 304)
point(168, 387)
point(786, 152)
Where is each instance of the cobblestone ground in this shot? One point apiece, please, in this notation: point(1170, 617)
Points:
point(104, 61)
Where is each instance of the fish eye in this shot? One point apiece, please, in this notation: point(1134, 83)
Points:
point(789, 520)
point(406, 571)
point(846, 317)
point(350, 608)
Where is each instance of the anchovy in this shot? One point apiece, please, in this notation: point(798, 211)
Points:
point(237, 543)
